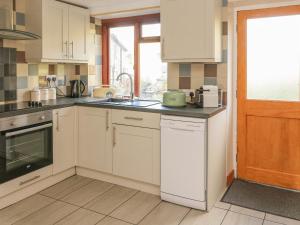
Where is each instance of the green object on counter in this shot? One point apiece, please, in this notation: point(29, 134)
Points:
point(174, 98)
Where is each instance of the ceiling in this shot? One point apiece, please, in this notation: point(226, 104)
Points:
point(100, 8)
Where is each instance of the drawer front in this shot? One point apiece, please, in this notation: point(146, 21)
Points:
point(93, 111)
point(24, 181)
point(138, 119)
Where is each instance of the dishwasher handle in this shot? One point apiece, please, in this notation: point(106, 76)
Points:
point(183, 126)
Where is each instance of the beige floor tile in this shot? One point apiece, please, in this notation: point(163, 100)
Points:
point(195, 217)
point(65, 187)
point(271, 223)
point(233, 218)
point(81, 217)
point(87, 193)
point(282, 220)
point(112, 221)
point(222, 205)
point(249, 212)
point(21, 209)
point(136, 208)
point(165, 214)
point(48, 215)
point(110, 200)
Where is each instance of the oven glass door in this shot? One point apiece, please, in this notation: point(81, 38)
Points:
point(25, 150)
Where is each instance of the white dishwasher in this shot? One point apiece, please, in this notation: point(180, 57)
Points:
point(183, 161)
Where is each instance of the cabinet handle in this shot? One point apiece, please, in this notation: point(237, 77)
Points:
point(107, 120)
point(72, 44)
point(66, 44)
point(57, 121)
point(163, 48)
point(133, 118)
point(29, 180)
point(114, 136)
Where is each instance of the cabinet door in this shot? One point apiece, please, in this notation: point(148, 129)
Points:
point(64, 132)
point(55, 30)
point(188, 36)
point(94, 150)
point(78, 33)
point(136, 153)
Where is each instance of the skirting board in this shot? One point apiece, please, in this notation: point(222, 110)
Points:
point(230, 178)
point(34, 188)
point(149, 188)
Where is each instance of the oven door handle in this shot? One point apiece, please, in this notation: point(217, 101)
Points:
point(24, 131)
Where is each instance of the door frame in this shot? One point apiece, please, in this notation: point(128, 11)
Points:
point(234, 63)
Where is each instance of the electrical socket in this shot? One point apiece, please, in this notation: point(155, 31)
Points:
point(50, 77)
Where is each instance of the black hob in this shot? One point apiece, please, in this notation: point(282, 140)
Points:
point(19, 106)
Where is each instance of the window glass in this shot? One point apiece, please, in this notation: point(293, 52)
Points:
point(273, 58)
point(121, 51)
point(153, 73)
point(151, 30)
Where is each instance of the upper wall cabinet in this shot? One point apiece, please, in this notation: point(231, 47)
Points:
point(191, 30)
point(63, 28)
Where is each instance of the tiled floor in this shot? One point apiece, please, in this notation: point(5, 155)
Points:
point(83, 201)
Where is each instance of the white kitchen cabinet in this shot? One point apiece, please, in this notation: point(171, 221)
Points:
point(191, 30)
point(78, 33)
point(64, 139)
point(136, 153)
point(63, 28)
point(94, 139)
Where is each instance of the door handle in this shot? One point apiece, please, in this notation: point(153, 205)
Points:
point(67, 50)
point(133, 118)
point(114, 137)
point(29, 180)
point(163, 48)
point(107, 120)
point(72, 44)
point(57, 121)
point(14, 133)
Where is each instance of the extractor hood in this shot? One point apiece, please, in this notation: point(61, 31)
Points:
point(7, 28)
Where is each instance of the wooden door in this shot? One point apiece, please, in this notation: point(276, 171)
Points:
point(78, 33)
point(94, 134)
point(55, 30)
point(268, 96)
point(64, 139)
point(136, 153)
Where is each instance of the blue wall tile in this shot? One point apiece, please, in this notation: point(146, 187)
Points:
point(98, 60)
point(22, 82)
point(185, 70)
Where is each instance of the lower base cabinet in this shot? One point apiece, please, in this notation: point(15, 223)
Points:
point(64, 133)
point(94, 139)
point(136, 153)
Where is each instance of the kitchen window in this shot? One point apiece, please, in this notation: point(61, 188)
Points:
point(132, 45)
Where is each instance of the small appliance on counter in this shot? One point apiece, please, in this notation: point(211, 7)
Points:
point(52, 93)
point(104, 92)
point(208, 96)
point(44, 94)
point(174, 98)
point(35, 95)
point(77, 88)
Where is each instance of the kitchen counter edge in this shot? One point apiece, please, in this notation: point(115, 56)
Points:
point(189, 111)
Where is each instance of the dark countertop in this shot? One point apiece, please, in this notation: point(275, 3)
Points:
point(189, 111)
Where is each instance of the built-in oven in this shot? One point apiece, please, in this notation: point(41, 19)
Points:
point(25, 144)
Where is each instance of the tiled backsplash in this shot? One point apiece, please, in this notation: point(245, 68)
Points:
point(8, 78)
point(17, 76)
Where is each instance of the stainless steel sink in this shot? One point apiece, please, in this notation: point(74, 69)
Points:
point(126, 102)
point(140, 103)
point(112, 101)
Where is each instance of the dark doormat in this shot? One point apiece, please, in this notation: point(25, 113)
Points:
point(263, 198)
